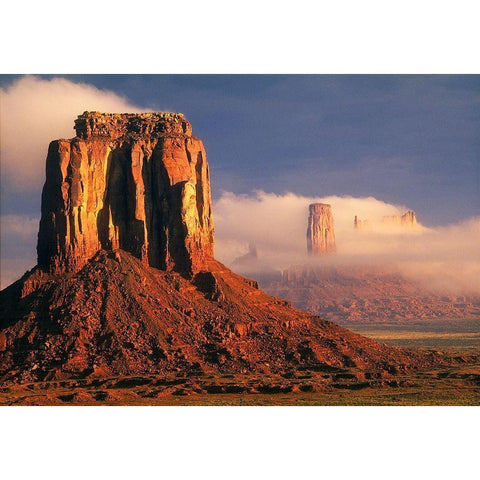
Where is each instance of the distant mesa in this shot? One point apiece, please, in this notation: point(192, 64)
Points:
point(408, 219)
point(362, 292)
point(320, 230)
point(251, 265)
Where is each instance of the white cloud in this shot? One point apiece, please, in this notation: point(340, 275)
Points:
point(277, 224)
point(34, 112)
point(18, 237)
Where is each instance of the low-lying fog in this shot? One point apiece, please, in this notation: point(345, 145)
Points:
point(443, 258)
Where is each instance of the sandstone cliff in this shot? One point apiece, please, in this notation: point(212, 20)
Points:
point(139, 182)
point(320, 230)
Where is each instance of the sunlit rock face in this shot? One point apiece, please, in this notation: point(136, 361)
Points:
point(139, 182)
point(320, 230)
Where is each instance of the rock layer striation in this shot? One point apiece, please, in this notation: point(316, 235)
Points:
point(139, 182)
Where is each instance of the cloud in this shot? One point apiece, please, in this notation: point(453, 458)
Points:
point(277, 223)
point(18, 237)
point(19, 226)
point(446, 257)
point(35, 111)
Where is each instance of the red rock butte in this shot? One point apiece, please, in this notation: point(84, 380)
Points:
point(139, 182)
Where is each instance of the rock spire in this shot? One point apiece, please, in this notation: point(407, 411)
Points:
point(320, 230)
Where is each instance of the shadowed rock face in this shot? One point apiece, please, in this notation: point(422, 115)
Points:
point(139, 182)
point(320, 230)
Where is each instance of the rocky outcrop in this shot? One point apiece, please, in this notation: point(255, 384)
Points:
point(139, 182)
point(408, 219)
point(119, 317)
point(320, 230)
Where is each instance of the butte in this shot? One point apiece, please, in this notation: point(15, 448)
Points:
point(127, 283)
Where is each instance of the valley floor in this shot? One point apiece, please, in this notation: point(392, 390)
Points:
point(446, 334)
point(452, 385)
point(456, 384)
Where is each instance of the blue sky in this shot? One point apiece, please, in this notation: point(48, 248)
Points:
point(411, 140)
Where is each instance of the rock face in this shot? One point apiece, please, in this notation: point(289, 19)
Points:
point(320, 230)
point(139, 182)
point(408, 219)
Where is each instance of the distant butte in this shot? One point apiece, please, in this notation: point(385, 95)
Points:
point(408, 219)
point(320, 230)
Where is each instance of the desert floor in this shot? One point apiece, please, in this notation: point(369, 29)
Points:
point(456, 384)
